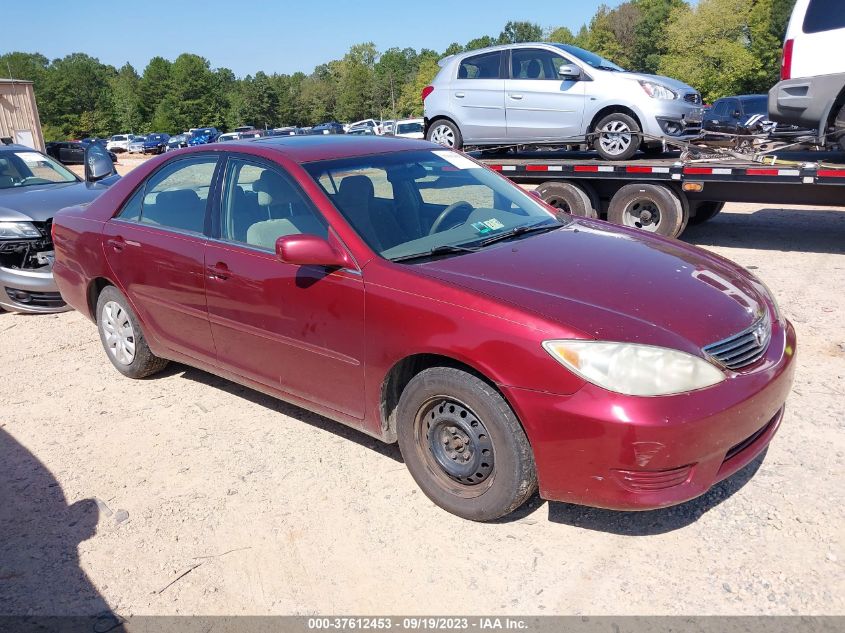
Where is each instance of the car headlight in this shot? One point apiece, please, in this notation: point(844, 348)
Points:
point(18, 231)
point(633, 369)
point(658, 91)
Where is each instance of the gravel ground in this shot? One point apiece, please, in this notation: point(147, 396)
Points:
point(187, 494)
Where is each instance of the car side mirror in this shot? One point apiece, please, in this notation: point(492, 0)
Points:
point(568, 71)
point(304, 250)
point(98, 163)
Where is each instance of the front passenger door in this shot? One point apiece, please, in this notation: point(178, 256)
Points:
point(297, 329)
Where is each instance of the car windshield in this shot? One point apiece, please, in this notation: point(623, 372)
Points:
point(420, 204)
point(407, 128)
point(25, 168)
point(596, 61)
point(118, 138)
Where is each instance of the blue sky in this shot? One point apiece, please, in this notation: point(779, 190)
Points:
point(281, 36)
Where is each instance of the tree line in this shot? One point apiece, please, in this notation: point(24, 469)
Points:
point(721, 47)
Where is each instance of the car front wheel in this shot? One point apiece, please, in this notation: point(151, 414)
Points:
point(463, 444)
point(617, 137)
point(445, 133)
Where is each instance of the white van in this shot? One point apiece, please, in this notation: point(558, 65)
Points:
point(811, 92)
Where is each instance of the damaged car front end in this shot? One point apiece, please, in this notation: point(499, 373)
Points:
point(32, 188)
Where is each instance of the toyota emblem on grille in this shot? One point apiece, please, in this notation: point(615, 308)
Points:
point(759, 335)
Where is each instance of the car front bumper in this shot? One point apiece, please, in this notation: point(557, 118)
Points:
point(30, 291)
point(609, 450)
point(677, 119)
point(806, 101)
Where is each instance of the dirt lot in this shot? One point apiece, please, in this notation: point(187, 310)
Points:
point(112, 489)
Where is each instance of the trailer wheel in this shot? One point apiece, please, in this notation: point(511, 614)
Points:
point(705, 210)
point(567, 197)
point(648, 207)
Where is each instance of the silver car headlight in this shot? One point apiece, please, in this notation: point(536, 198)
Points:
point(18, 231)
point(633, 369)
point(658, 91)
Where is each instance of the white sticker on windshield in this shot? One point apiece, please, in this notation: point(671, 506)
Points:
point(461, 162)
point(30, 157)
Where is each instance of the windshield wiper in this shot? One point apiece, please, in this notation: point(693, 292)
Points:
point(444, 249)
point(520, 230)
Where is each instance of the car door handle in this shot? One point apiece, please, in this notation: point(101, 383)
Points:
point(117, 243)
point(517, 97)
point(460, 95)
point(219, 271)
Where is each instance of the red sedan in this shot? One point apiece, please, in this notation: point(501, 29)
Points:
point(411, 293)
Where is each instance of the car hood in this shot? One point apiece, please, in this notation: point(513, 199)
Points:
point(674, 84)
point(39, 203)
point(617, 285)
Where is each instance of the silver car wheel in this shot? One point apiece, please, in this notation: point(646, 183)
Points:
point(443, 135)
point(615, 138)
point(118, 333)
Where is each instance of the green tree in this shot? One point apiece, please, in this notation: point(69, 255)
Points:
point(650, 33)
point(410, 103)
point(394, 69)
point(153, 87)
point(516, 31)
point(480, 42)
point(126, 99)
point(708, 46)
point(560, 35)
point(76, 97)
point(356, 85)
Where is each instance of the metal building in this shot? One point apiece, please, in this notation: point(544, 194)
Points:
point(19, 122)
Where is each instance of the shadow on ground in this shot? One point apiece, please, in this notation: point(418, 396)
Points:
point(804, 230)
point(285, 408)
point(39, 534)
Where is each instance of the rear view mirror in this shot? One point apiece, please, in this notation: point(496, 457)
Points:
point(98, 164)
point(568, 71)
point(303, 250)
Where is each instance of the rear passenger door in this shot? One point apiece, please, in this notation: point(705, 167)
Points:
point(478, 97)
point(155, 247)
point(296, 329)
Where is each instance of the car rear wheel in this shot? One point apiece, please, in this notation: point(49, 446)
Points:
point(445, 133)
point(651, 208)
point(122, 337)
point(617, 137)
point(463, 445)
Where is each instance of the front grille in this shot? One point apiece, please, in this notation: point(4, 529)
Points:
point(745, 348)
point(693, 97)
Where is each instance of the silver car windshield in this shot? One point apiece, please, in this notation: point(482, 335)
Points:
point(423, 203)
point(596, 61)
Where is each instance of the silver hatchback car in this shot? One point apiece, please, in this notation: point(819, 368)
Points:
point(541, 93)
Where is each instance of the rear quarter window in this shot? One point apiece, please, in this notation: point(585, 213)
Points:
point(824, 15)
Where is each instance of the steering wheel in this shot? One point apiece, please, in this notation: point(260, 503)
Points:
point(445, 213)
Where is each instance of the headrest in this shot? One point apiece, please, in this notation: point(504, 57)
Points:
point(356, 188)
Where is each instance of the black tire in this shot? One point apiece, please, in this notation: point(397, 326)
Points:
point(652, 208)
point(705, 210)
point(475, 424)
point(451, 139)
point(143, 362)
point(567, 197)
point(839, 127)
point(620, 121)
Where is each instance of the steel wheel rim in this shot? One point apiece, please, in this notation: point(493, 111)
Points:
point(642, 214)
point(615, 138)
point(443, 135)
point(118, 333)
point(455, 446)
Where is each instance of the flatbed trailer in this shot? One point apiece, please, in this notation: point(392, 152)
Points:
point(664, 194)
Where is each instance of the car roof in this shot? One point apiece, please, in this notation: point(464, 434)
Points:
point(17, 148)
point(306, 149)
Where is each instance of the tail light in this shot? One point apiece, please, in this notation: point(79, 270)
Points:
point(786, 60)
point(426, 91)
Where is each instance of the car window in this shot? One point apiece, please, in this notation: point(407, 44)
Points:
point(262, 204)
point(25, 168)
point(732, 107)
point(535, 63)
point(176, 195)
point(720, 108)
point(484, 66)
point(824, 15)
